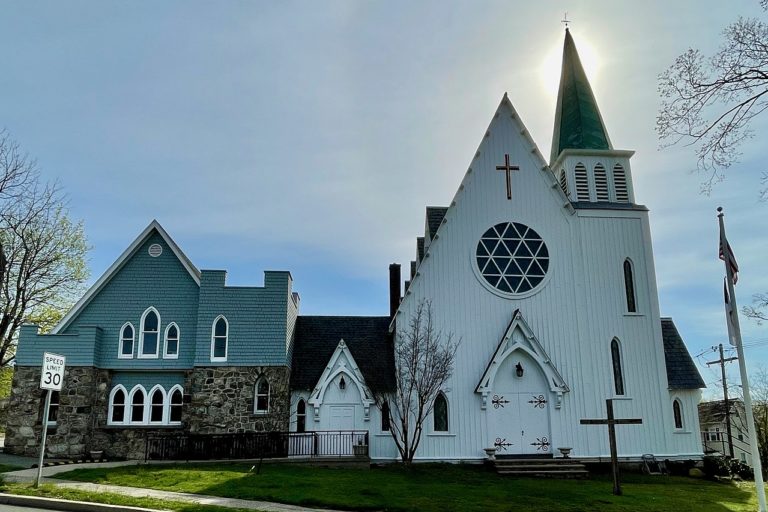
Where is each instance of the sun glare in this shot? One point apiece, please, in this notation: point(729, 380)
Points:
point(550, 67)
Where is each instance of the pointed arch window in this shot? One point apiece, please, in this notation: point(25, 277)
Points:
point(176, 403)
point(440, 413)
point(149, 344)
point(301, 416)
point(171, 345)
point(138, 399)
point(385, 417)
point(261, 401)
point(219, 339)
point(620, 184)
point(601, 183)
point(117, 406)
point(157, 405)
point(126, 341)
point(582, 184)
point(629, 286)
point(677, 412)
point(618, 375)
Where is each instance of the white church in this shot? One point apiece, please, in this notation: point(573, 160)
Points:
point(545, 272)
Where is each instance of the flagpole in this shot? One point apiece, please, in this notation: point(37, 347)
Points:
point(756, 465)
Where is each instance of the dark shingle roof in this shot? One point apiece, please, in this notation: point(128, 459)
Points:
point(714, 412)
point(681, 371)
point(420, 248)
point(368, 340)
point(435, 215)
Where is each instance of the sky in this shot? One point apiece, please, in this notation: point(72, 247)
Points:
point(310, 136)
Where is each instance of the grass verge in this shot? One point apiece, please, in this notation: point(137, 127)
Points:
point(429, 488)
point(52, 491)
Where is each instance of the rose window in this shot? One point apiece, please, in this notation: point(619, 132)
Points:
point(512, 257)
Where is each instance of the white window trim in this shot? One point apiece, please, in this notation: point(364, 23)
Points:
point(447, 415)
point(256, 396)
point(141, 354)
point(169, 395)
point(137, 388)
point(121, 339)
point(166, 355)
point(53, 423)
point(164, 406)
point(213, 338)
point(126, 412)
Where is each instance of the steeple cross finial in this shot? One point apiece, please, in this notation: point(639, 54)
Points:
point(565, 20)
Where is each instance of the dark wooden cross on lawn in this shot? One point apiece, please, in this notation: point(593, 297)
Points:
point(507, 168)
point(612, 422)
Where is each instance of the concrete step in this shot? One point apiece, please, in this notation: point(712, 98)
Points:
point(551, 473)
point(541, 467)
point(550, 462)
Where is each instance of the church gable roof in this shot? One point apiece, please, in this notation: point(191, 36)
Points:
point(578, 123)
point(681, 370)
point(435, 215)
point(154, 228)
point(368, 340)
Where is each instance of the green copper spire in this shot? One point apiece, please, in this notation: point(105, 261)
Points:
point(578, 124)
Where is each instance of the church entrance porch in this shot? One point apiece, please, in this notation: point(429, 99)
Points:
point(519, 408)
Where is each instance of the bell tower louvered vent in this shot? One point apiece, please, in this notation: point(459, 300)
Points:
point(620, 184)
point(563, 182)
point(601, 183)
point(582, 184)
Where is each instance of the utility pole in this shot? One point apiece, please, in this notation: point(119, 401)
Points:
point(722, 362)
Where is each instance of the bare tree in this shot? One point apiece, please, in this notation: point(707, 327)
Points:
point(42, 252)
point(757, 311)
point(424, 360)
point(710, 102)
point(759, 391)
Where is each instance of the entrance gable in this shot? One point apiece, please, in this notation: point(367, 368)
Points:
point(519, 337)
point(343, 372)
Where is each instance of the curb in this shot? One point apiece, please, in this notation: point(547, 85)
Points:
point(67, 505)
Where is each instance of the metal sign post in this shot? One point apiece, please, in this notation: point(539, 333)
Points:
point(51, 379)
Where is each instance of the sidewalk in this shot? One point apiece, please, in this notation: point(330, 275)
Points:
point(28, 475)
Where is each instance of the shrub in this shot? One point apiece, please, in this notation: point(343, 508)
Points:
point(715, 466)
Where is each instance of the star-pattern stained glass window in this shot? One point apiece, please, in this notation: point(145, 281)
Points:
point(512, 257)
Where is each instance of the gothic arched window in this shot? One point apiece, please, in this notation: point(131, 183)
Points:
point(126, 341)
point(385, 417)
point(677, 412)
point(618, 376)
point(149, 344)
point(171, 350)
point(137, 405)
point(157, 405)
point(301, 416)
point(629, 286)
point(219, 339)
point(117, 405)
point(440, 413)
point(176, 404)
point(261, 401)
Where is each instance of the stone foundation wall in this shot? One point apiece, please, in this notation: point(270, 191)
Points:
point(222, 400)
point(217, 400)
point(71, 436)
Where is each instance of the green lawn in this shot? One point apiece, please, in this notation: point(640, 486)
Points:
point(428, 488)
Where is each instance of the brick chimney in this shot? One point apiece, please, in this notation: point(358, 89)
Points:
point(394, 288)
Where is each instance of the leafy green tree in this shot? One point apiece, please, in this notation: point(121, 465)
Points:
point(42, 251)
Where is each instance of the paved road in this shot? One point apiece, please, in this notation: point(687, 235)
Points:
point(13, 508)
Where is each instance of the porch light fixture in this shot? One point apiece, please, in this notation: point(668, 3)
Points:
point(342, 384)
point(519, 369)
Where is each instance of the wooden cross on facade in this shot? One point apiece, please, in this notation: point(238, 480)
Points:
point(612, 422)
point(507, 168)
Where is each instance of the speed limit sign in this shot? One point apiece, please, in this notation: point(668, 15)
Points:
point(53, 371)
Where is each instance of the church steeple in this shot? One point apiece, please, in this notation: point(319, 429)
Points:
point(578, 124)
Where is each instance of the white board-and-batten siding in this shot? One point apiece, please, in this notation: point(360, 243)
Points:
point(575, 313)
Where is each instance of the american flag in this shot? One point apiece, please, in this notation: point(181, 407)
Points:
point(727, 255)
point(729, 316)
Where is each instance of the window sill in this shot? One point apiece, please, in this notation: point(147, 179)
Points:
point(147, 356)
point(260, 413)
point(681, 431)
point(382, 434)
point(142, 426)
point(634, 314)
point(440, 434)
point(126, 356)
point(218, 359)
point(166, 356)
